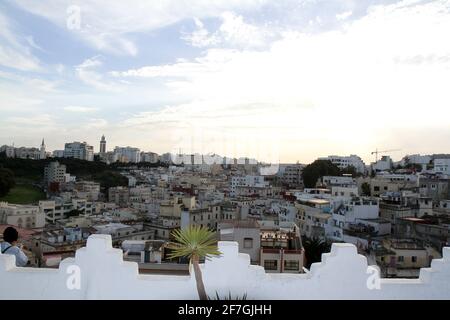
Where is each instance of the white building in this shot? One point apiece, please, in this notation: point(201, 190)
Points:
point(128, 154)
point(351, 212)
point(79, 150)
point(55, 172)
point(442, 166)
point(27, 153)
point(292, 175)
point(384, 164)
point(347, 161)
point(150, 157)
point(58, 154)
point(416, 159)
point(42, 152)
point(21, 216)
point(255, 182)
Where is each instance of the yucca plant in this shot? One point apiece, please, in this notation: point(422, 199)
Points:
point(194, 243)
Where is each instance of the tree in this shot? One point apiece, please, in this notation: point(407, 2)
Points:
point(319, 168)
point(314, 248)
point(194, 243)
point(365, 187)
point(6, 181)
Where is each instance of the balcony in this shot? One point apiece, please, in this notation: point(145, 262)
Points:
point(99, 272)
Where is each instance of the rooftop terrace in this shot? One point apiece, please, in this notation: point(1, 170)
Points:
point(99, 272)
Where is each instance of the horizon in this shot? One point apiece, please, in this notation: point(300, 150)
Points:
point(400, 155)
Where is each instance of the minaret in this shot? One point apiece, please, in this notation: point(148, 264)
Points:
point(103, 145)
point(42, 155)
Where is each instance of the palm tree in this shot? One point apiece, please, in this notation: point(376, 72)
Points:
point(195, 242)
point(313, 250)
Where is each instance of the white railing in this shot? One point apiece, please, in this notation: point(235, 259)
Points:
point(99, 272)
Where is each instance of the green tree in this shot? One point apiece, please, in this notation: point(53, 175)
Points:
point(365, 187)
point(195, 243)
point(319, 168)
point(314, 248)
point(7, 181)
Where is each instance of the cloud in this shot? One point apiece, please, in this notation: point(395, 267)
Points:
point(79, 109)
point(343, 15)
point(233, 32)
point(13, 52)
point(97, 123)
point(87, 73)
point(104, 26)
point(322, 88)
point(33, 120)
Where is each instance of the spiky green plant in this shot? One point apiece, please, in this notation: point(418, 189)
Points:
point(195, 243)
point(229, 297)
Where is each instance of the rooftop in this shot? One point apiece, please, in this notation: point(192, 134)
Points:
point(343, 274)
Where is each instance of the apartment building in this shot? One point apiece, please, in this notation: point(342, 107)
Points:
point(441, 166)
point(128, 154)
point(54, 172)
point(403, 258)
point(119, 195)
point(343, 162)
point(292, 176)
point(435, 186)
point(79, 150)
point(58, 208)
point(281, 249)
point(245, 232)
point(242, 185)
point(21, 216)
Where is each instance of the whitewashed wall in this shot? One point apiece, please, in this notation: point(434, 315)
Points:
point(342, 274)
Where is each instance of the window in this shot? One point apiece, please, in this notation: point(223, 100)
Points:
point(401, 258)
point(271, 264)
point(291, 265)
point(413, 259)
point(248, 243)
point(376, 188)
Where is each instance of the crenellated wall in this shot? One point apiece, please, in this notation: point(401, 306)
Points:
point(342, 274)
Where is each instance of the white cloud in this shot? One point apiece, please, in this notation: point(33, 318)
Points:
point(97, 123)
point(79, 109)
point(105, 26)
point(323, 88)
point(233, 32)
point(87, 72)
point(344, 15)
point(32, 120)
point(14, 53)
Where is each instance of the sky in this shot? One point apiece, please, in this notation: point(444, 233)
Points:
point(279, 81)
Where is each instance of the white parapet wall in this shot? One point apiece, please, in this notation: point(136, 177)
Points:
point(99, 272)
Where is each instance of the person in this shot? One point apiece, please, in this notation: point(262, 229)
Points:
point(10, 246)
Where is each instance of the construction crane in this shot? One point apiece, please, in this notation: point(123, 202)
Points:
point(376, 152)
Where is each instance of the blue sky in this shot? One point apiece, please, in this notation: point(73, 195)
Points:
point(276, 80)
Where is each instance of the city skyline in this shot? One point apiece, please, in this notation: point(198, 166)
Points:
point(103, 142)
point(293, 80)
